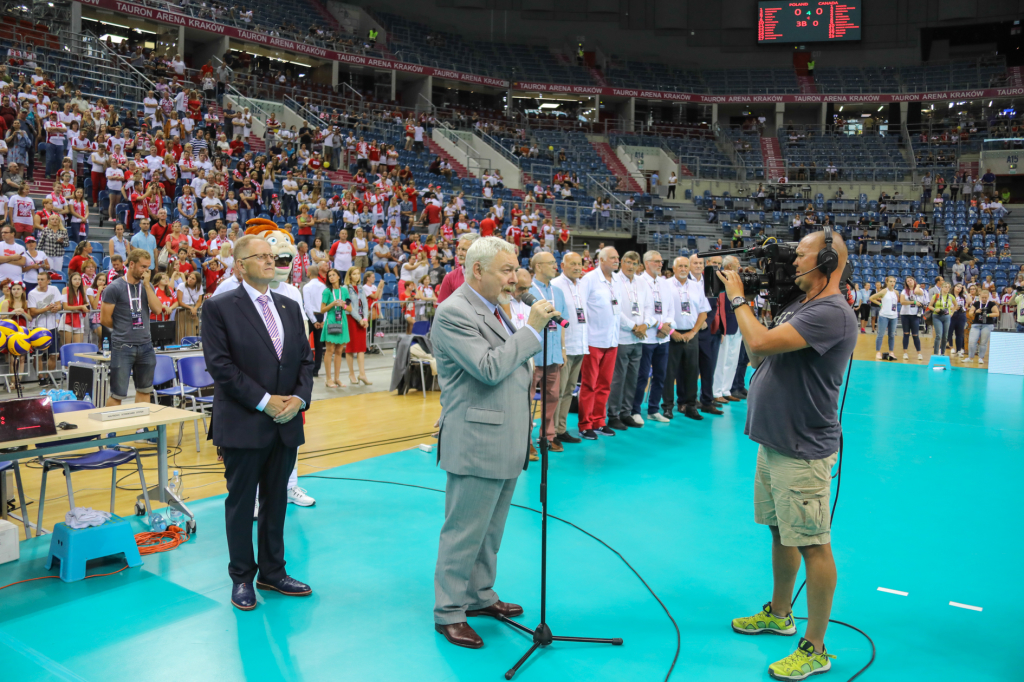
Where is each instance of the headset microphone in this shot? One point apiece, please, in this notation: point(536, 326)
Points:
point(801, 274)
point(529, 299)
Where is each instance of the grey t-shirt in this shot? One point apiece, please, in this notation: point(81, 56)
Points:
point(123, 332)
point(793, 402)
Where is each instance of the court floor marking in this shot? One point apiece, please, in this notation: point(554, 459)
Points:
point(965, 606)
point(899, 592)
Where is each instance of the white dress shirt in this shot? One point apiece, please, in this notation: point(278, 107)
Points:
point(253, 295)
point(312, 298)
point(576, 332)
point(659, 298)
point(688, 302)
point(602, 310)
point(631, 296)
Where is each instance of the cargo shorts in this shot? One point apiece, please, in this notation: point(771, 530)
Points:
point(793, 494)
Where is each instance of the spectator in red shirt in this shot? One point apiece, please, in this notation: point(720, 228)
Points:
point(432, 216)
point(487, 226)
point(454, 279)
point(213, 273)
point(83, 252)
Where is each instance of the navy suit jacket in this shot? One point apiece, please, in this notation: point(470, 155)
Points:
point(243, 363)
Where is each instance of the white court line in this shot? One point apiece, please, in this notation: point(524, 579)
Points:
point(886, 589)
point(965, 606)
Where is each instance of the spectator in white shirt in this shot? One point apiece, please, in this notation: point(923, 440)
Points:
point(654, 357)
point(689, 308)
point(601, 308)
point(576, 346)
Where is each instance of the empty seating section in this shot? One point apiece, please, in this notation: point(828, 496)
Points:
point(857, 157)
point(747, 145)
point(857, 79)
point(582, 158)
point(622, 73)
point(411, 41)
point(956, 75)
point(700, 156)
point(532, 63)
point(757, 81)
point(871, 268)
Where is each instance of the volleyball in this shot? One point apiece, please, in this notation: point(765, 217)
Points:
point(18, 344)
point(11, 326)
point(4, 335)
point(40, 338)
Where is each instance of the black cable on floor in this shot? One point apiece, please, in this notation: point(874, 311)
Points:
point(614, 551)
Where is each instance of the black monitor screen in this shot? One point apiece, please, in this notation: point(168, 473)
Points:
point(23, 418)
point(808, 21)
point(163, 333)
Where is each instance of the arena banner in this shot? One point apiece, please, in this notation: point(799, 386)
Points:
point(178, 19)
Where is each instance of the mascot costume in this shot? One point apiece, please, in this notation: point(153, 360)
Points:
point(283, 246)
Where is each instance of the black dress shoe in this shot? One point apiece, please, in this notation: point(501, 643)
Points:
point(667, 413)
point(460, 634)
point(616, 423)
point(497, 609)
point(287, 586)
point(606, 431)
point(629, 421)
point(243, 597)
point(738, 395)
point(692, 413)
point(566, 438)
point(588, 434)
point(710, 409)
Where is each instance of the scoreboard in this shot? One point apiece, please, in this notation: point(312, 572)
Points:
point(808, 21)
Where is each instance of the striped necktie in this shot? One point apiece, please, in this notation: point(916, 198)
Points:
point(268, 319)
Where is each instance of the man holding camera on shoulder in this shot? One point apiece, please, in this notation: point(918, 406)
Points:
point(793, 415)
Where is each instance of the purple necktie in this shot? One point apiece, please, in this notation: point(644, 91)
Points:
point(268, 318)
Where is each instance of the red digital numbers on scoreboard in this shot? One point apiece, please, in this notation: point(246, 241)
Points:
point(801, 21)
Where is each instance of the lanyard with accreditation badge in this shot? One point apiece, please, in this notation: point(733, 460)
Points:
point(551, 323)
point(133, 302)
point(575, 290)
point(684, 301)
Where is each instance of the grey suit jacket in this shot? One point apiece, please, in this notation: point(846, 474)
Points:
point(485, 382)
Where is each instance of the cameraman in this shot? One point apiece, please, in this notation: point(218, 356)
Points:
point(792, 415)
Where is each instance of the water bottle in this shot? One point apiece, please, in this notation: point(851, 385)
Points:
point(177, 487)
point(87, 398)
point(157, 523)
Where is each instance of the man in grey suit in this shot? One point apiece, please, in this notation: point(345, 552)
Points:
point(482, 364)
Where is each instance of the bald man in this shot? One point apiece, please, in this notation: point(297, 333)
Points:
point(792, 414)
point(576, 346)
point(602, 317)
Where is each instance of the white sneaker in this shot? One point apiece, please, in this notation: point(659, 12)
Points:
point(658, 417)
point(256, 511)
point(298, 496)
point(906, 357)
point(981, 361)
point(638, 419)
point(878, 356)
point(920, 357)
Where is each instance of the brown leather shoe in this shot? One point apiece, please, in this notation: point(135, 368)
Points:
point(498, 608)
point(460, 634)
point(533, 454)
point(722, 401)
point(555, 446)
point(732, 398)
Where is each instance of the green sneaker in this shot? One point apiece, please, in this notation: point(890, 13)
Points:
point(765, 622)
point(802, 663)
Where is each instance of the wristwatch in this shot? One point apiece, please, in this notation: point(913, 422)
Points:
point(737, 302)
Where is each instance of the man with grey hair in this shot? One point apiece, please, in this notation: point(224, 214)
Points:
point(654, 359)
point(602, 314)
point(710, 336)
point(483, 367)
point(454, 279)
point(633, 325)
point(689, 307)
point(729, 351)
point(575, 342)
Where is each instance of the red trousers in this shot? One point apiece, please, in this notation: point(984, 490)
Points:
point(596, 383)
point(99, 183)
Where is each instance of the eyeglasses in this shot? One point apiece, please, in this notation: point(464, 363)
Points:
point(261, 257)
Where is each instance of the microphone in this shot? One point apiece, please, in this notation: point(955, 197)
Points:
point(529, 299)
point(801, 274)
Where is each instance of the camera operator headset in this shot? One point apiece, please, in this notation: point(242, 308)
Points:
point(793, 416)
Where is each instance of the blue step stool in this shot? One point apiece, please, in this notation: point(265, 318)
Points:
point(939, 361)
point(74, 547)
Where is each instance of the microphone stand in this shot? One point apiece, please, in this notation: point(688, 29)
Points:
point(542, 636)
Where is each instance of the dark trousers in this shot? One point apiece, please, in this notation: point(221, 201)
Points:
point(318, 346)
point(740, 380)
point(681, 373)
point(709, 345)
point(653, 363)
point(268, 467)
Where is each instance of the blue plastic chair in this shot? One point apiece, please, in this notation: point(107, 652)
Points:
point(68, 353)
point(193, 375)
point(104, 458)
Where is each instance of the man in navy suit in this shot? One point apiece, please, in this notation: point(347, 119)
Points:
point(258, 354)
